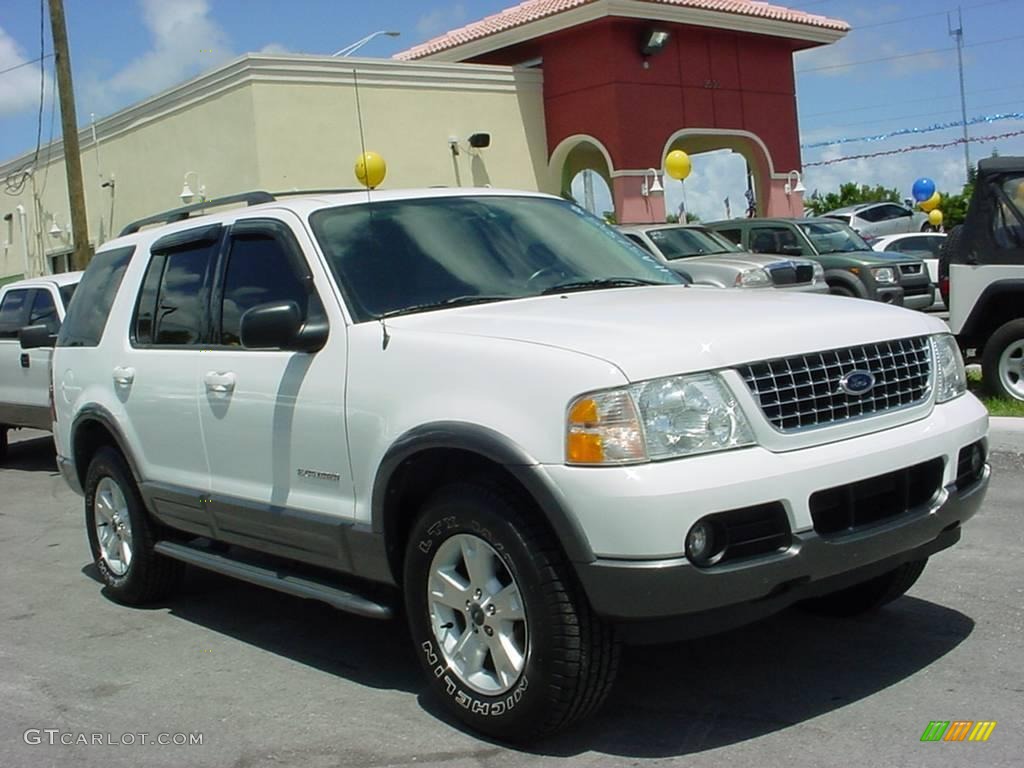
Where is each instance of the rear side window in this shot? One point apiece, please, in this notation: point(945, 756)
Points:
point(13, 313)
point(44, 311)
point(173, 305)
point(87, 315)
point(66, 292)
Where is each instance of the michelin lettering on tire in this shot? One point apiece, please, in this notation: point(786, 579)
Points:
point(467, 700)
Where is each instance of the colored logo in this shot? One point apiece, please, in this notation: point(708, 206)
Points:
point(857, 383)
point(958, 730)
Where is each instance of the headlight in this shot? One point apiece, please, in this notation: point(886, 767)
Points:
point(950, 377)
point(884, 275)
point(659, 419)
point(753, 278)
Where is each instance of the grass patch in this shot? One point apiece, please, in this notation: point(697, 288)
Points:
point(997, 406)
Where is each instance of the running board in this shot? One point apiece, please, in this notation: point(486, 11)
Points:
point(277, 579)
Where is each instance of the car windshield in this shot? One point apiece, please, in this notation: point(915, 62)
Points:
point(686, 242)
point(833, 237)
point(398, 256)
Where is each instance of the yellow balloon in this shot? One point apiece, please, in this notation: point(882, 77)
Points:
point(931, 203)
point(371, 169)
point(677, 164)
point(935, 217)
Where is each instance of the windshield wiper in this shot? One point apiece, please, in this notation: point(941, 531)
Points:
point(455, 301)
point(602, 282)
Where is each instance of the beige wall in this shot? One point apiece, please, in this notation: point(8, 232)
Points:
point(285, 122)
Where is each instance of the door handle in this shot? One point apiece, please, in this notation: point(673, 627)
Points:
point(25, 360)
point(123, 377)
point(220, 382)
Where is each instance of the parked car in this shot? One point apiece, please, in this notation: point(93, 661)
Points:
point(489, 407)
point(24, 373)
point(851, 267)
point(710, 259)
point(924, 245)
point(982, 272)
point(877, 219)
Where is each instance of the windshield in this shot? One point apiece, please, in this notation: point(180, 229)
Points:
point(400, 256)
point(833, 237)
point(685, 242)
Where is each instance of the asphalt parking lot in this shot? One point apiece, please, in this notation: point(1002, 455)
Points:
point(269, 680)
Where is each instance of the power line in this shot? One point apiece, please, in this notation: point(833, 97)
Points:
point(907, 55)
point(925, 15)
point(846, 110)
point(25, 64)
point(42, 80)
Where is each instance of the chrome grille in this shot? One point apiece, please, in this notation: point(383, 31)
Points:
point(789, 273)
point(804, 392)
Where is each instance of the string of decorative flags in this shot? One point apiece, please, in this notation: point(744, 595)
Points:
point(915, 148)
point(926, 129)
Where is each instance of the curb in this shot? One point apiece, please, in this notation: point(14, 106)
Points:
point(1006, 433)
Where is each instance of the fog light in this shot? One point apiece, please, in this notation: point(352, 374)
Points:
point(704, 543)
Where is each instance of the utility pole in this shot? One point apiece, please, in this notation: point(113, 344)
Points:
point(958, 35)
point(69, 128)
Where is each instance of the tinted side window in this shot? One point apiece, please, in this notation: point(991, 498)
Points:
point(87, 314)
point(258, 272)
point(182, 297)
point(733, 235)
point(873, 214)
point(638, 241)
point(13, 313)
point(44, 311)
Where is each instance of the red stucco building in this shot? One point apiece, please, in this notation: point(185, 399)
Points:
point(722, 78)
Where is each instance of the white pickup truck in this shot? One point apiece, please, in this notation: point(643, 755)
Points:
point(24, 373)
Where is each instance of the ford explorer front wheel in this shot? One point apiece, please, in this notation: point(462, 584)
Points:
point(506, 637)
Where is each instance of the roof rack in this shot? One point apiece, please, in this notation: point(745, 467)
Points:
point(182, 213)
point(255, 197)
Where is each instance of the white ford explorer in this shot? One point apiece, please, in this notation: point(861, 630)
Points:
point(491, 409)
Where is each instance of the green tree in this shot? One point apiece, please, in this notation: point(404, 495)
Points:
point(850, 194)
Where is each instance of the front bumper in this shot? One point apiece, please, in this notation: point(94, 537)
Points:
point(699, 601)
point(920, 296)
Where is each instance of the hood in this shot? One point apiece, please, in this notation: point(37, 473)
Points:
point(903, 258)
point(660, 330)
point(740, 260)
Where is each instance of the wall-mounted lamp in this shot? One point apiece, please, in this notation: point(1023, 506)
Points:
point(55, 230)
point(790, 187)
point(479, 140)
point(651, 184)
point(187, 194)
point(654, 41)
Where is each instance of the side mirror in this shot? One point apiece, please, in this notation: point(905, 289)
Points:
point(36, 337)
point(278, 325)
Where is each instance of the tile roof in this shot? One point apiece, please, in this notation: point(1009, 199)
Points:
point(535, 10)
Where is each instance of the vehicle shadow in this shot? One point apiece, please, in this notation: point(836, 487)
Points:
point(668, 701)
point(372, 653)
point(32, 454)
point(691, 697)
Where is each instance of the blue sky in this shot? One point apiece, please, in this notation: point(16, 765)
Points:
point(126, 50)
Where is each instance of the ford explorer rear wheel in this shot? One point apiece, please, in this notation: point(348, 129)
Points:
point(121, 534)
point(506, 637)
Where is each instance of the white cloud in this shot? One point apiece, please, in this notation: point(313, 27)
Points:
point(715, 176)
point(441, 20)
point(185, 40)
point(19, 88)
point(274, 49)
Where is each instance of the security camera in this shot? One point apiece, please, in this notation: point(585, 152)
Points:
point(480, 140)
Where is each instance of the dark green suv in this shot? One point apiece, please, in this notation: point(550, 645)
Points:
point(851, 267)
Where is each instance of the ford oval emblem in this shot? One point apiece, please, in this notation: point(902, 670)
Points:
point(857, 383)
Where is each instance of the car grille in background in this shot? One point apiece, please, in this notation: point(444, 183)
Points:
point(791, 274)
point(910, 269)
point(847, 508)
point(804, 392)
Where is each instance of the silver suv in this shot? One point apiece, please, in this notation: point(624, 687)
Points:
point(710, 259)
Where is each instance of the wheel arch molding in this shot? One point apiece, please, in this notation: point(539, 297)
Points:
point(95, 414)
point(484, 447)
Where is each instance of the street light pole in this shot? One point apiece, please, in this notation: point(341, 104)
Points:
point(69, 129)
point(958, 35)
point(348, 50)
